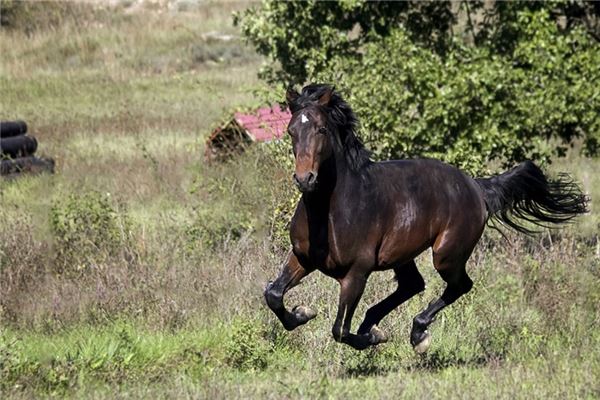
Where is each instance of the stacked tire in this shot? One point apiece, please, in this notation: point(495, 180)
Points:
point(17, 151)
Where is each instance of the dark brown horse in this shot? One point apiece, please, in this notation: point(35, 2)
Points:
point(357, 216)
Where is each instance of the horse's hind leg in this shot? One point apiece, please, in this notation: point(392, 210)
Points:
point(458, 283)
point(290, 275)
point(410, 282)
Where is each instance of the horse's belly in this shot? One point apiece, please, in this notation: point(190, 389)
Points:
point(333, 269)
point(397, 248)
point(335, 261)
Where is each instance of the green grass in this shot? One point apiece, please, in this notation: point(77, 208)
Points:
point(500, 341)
point(164, 299)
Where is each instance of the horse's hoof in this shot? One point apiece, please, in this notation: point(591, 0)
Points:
point(303, 314)
point(377, 335)
point(424, 344)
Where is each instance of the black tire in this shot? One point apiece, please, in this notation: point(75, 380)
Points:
point(12, 128)
point(18, 146)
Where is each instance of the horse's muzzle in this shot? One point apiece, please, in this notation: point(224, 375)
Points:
point(306, 182)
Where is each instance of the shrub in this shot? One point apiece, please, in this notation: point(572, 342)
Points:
point(284, 197)
point(473, 107)
point(302, 36)
point(512, 87)
point(246, 349)
point(211, 230)
point(249, 194)
point(87, 226)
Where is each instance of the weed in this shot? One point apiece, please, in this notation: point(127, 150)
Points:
point(84, 224)
point(247, 350)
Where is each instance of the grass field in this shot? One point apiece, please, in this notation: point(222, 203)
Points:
point(137, 270)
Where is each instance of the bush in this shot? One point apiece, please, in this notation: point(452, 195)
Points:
point(252, 193)
point(23, 262)
point(87, 227)
point(246, 349)
point(284, 197)
point(513, 87)
point(302, 36)
point(474, 107)
point(211, 230)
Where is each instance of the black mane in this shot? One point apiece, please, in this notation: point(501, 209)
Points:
point(341, 118)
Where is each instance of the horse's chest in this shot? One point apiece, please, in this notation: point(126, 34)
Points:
point(320, 247)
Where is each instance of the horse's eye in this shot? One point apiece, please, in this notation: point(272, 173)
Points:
point(323, 130)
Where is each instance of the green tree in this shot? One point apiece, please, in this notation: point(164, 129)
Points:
point(478, 83)
point(300, 37)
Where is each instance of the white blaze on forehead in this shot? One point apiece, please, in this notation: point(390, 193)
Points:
point(304, 119)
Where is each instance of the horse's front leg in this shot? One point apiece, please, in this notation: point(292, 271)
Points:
point(352, 287)
point(291, 274)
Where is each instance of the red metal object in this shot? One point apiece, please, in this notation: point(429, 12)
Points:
point(262, 125)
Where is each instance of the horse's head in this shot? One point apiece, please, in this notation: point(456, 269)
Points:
point(310, 135)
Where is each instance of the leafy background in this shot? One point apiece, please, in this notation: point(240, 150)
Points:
point(475, 84)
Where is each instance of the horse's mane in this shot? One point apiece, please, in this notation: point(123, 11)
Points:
point(340, 117)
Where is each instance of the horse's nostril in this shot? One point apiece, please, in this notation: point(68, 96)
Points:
point(306, 181)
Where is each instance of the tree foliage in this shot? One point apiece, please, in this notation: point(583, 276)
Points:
point(464, 82)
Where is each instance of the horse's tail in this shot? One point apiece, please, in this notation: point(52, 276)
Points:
point(524, 193)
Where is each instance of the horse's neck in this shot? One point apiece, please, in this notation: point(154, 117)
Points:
point(338, 185)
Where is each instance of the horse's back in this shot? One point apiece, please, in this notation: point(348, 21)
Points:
point(426, 203)
point(426, 181)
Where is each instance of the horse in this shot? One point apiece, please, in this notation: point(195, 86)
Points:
point(357, 216)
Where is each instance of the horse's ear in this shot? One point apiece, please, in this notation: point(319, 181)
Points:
point(326, 97)
point(291, 95)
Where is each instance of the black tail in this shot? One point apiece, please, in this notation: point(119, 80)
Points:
point(524, 193)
